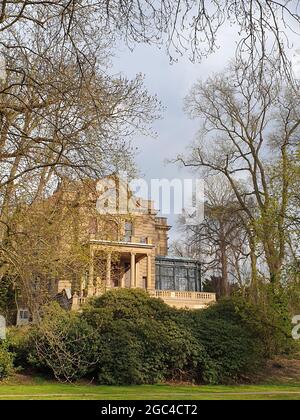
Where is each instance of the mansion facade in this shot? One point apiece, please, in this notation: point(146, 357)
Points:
point(127, 251)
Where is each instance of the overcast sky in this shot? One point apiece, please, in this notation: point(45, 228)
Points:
point(171, 83)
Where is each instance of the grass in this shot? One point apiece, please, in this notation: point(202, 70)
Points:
point(41, 389)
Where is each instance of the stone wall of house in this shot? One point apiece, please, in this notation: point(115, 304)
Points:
point(86, 223)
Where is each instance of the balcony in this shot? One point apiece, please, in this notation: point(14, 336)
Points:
point(122, 240)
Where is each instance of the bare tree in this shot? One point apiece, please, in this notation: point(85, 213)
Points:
point(57, 123)
point(64, 343)
point(220, 240)
point(245, 126)
point(190, 25)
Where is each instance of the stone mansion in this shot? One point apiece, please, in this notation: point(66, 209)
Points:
point(128, 251)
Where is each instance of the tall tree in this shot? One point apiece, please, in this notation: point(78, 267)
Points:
point(245, 127)
point(220, 240)
point(57, 122)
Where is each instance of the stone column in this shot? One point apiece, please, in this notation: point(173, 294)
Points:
point(149, 272)
point(90, 285)
point(75, 302)
point(123, 278)
point(132, 270)
point(137, 274)
point(108, 271)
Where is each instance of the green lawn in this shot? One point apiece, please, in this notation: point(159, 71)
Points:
point(42, 389)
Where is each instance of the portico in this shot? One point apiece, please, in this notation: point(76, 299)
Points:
point(120, 264)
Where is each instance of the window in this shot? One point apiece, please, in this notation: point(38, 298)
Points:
point(177, 274)
point(93, 226)
point(24, 314)
point(128, 231)
point(181, 279)
point(167, 278)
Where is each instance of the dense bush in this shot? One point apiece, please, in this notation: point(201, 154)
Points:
point(234, 348)
point(127, 337)
point(123, 337)
point(129, 304)
point(6, 361)
point(19, 342)
point(269, 320)
point(147, 351)
point(142, 340)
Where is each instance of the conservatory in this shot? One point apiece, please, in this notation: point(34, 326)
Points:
point(176, 273)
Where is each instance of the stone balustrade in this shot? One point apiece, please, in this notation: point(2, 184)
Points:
point(183, 295)
point(179, 299)
point(78, 302)
point(182, 299)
